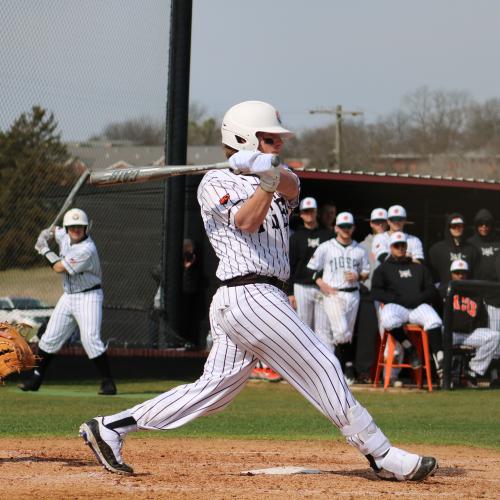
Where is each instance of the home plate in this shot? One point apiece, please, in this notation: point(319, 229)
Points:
point(280, 470)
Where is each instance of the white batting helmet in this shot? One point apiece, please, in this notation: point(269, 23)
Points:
point(242, 122)
point(75, 217)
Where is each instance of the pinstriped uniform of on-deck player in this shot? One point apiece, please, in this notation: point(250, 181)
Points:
point(81, 303)
point(335, 260)
point(246, 220)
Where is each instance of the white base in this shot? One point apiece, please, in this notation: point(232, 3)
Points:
point(286, 471)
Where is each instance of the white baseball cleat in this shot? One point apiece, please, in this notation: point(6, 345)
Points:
point(400, 465)
point(106, 445)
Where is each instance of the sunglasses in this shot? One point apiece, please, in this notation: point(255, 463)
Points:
point(399, 245)
point(456, 226)
point(378, 221)
point(345, 226)
point(269, 140)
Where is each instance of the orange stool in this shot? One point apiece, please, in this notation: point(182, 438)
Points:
point(418, 337)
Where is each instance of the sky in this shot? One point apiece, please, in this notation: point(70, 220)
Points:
point(93, 62)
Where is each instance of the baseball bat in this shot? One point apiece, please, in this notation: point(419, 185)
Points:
point(150, 173)
point(70, 198)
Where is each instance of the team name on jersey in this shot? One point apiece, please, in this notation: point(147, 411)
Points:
point(281, 213)
point(312, 242)
point(457, 256)
point(405, 273)
point(344, 263)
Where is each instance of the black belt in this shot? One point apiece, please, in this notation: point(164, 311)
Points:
point(95, 287)
point(352, 289)
point(251, 279)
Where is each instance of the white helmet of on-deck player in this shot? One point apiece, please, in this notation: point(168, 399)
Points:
point(242, 122)
point(75, 217)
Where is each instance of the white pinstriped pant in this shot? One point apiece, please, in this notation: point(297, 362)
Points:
point(311, 311)
point(248, 323)
point(83, 309)
point(342, 309)
point(487, 345)
point(393, 316)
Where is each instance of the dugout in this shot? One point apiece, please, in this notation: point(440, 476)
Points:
point(128, 227)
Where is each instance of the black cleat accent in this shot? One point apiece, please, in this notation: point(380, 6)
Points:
point(32, 384)
point(427, 467)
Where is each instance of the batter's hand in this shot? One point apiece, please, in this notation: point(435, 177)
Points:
point(251, 163)
point(293, 301)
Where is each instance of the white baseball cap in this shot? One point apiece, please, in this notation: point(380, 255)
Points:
point(378, 214)
point(457, 220)
point(397, 237)
point(344, 218)
point(308, 203)
point(459, 265)
point(396, 211)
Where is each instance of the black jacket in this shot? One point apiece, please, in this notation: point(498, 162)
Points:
point(488, 246)
point(403, 282)
point(444, 252)
point(303, 244)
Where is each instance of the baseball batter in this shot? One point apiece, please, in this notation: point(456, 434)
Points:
point(246, 220)
point(343, 263)
point(396, 218)
point(81, 303)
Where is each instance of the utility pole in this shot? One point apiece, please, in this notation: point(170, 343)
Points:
point(339, 114)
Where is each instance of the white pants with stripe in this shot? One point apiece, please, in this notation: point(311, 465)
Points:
point(249, 323)
point(311, 311)
point(393, 316)
point(487, 345)
point(83, 309)
point(341, 310)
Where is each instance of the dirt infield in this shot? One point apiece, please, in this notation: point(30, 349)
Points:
point(200, 468)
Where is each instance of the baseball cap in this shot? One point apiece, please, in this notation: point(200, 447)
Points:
point(397, 237)
point(308, 203)
point(378, 214)
point(459, 265)
point(344, 218)
point(396, 211)
point(457, 220)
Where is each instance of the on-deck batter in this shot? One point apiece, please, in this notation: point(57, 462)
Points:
point(81, 303)
point(246, 220)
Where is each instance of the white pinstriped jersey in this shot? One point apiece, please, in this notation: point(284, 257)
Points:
point(81, 262)
point(335, 260)
point(381, 245)
point(220, 195)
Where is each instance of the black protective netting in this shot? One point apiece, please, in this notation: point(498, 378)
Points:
point(69, 70)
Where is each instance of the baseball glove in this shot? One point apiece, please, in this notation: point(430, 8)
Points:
point(15, 353)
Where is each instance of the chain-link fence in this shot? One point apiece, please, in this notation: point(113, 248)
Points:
point(70, 70)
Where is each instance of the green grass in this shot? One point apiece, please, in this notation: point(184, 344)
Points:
point(270, 411)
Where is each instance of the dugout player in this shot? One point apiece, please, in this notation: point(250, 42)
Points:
point(246, 220)
point(306, 298)
point(340, 264)
point(80, 304)
point(488, 244)
point(469, 325)
point(397, 219)
point(406, 290)
point(452, 247)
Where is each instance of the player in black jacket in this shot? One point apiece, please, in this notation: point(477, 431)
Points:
point(452, 247)
point(469, 325)
point(406, 289)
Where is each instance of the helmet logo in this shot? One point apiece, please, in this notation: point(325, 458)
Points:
point(75, 217)
point(278, 117)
